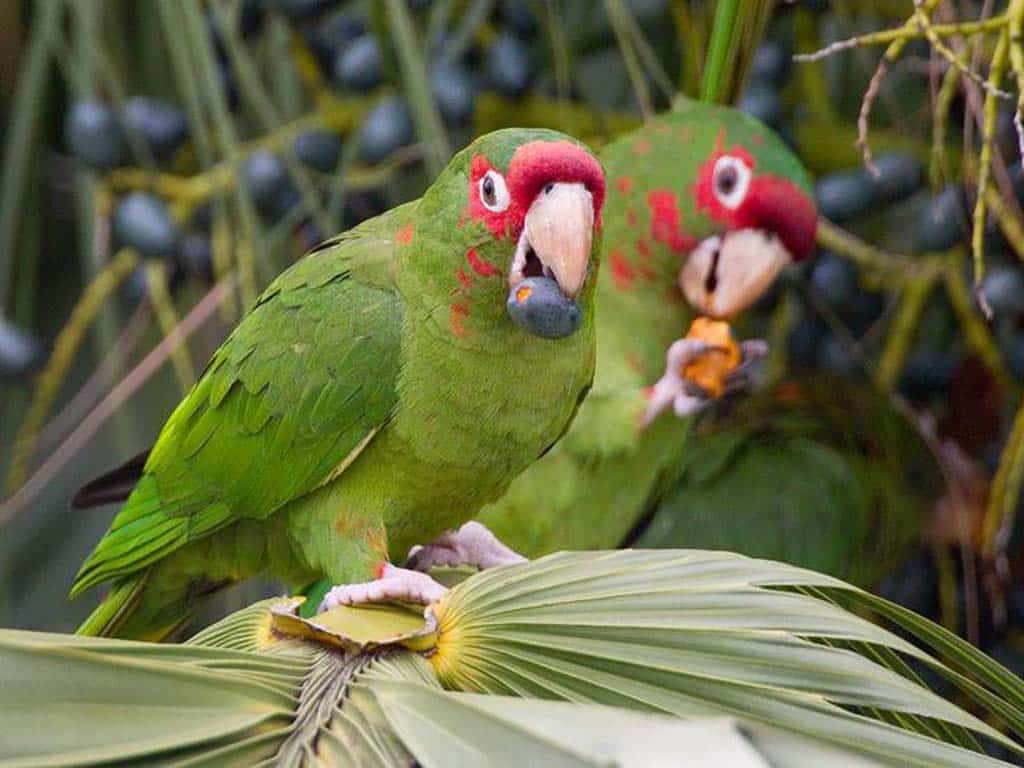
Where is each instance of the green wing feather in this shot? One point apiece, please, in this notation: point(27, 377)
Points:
point(302, 384)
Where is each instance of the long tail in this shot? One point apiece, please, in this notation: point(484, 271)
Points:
point(118, 606)
point(115, 485)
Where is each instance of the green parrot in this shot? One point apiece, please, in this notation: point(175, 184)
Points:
point(705, 207)
point(381, 391)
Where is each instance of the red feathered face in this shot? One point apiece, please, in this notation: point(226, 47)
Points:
point(768, 222)
point(546, 205)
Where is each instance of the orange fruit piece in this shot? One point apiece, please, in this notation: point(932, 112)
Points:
point(710, 369)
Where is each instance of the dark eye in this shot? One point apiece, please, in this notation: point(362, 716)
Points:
point(493, 192)
point(731, 179)
point(727, 179)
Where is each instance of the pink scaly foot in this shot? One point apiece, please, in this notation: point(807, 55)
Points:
point(671, 389)
point(393, 585)
point(472, 544)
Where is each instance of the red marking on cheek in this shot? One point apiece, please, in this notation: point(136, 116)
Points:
point(622, 271)
point(630, 217)
point(404, 235)
point(624, 184)
point(456, 314)
point(642, 146)
point(481, 266)
point(666, 226)
point(378, 572)
point(648, 392)
point(643, 249)
point(466, 280)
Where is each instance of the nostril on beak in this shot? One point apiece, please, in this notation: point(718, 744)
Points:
point(548, 187)
point(711, 281)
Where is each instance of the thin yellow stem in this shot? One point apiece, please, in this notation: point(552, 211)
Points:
point(837, 239)
point(976, 333)
point(168, 321)
point(938, 169)
point(1005, 490)
point(903, 330)
point(904, 34)
point(67, 344)
point(995, 75)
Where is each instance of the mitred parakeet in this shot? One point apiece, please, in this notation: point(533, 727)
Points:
point(705, 205)
point(380, 392)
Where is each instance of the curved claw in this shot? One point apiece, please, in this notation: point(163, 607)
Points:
point(397, 585)
point(671, 388)
point(473, 544)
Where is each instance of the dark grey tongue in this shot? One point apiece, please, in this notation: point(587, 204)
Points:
point(538, 306)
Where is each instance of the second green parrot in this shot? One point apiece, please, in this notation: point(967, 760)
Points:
point(380, 392)
point(705, 207)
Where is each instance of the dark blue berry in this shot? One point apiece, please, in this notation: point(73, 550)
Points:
point(20, 352)
point(269, 184)
point(93, 135)
point(509, 66)
point(761, 99)
point(455, 90)
point(161, 125)
point(320, 150)
point(845, 195)
point(142, 221)
point(943, 223)
point(899, 176)
point(358, 65)
point(388, 127)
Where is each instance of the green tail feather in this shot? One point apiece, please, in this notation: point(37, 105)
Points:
point(116, 607)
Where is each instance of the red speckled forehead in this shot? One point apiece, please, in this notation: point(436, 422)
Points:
point(540, 162)
point(534, 165)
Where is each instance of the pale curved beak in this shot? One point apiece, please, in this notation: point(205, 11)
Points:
point(557, 236)
point(725, 274)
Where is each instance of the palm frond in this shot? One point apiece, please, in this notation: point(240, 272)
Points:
point(575, 659)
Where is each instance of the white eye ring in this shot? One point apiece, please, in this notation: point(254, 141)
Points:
point(730, 181)
point(493, 192)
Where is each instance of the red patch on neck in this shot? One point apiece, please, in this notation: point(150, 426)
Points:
point(464, 278)
point(533, 166)
point(481, 266)
point(622, 271)
point(666, 222)
point(404, 235)
point(456, 314)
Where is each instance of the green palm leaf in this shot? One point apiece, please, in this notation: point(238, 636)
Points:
point(577, 659)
